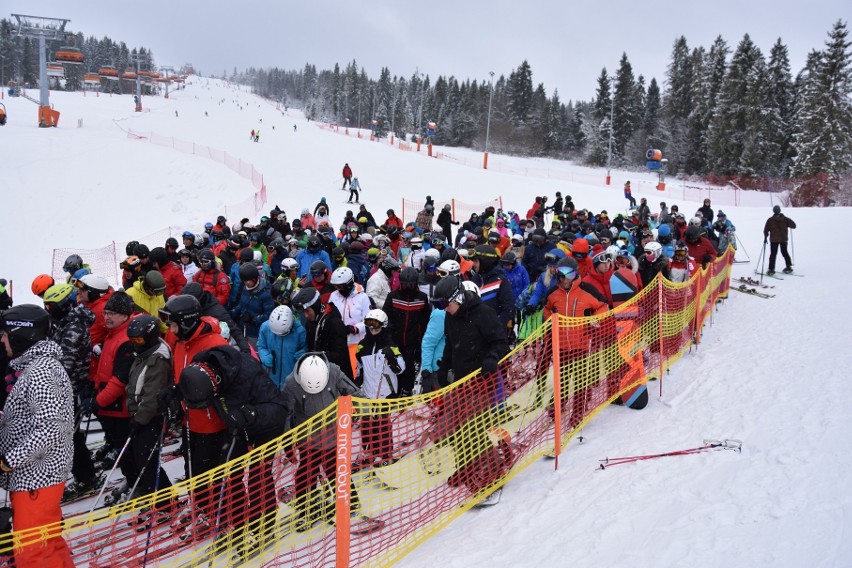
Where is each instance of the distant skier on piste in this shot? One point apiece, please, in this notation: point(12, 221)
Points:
point(775, 231)
point(347, 176)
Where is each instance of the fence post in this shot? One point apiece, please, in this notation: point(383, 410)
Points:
point(341, 479)
point(660, 314)
point(557, 388)
point(115, 264)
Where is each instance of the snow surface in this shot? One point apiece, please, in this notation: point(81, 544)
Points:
point(768, 372)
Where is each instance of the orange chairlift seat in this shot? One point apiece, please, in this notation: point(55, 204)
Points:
point(69, 55)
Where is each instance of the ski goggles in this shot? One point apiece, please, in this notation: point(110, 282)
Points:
point(602, 257)
point(372, 324)
point(566, 272)
point(681, 255)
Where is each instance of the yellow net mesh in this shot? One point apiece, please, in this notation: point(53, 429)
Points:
point(432, 457)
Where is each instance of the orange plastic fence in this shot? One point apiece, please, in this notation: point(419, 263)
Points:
point(411, 465)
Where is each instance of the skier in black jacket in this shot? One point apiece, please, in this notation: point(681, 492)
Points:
point(210, 306)
point(445, 221)
point(235, 386)
point(325, 329)
point(475, 341)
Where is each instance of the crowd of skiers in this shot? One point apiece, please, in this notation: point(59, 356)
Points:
point(241, 332)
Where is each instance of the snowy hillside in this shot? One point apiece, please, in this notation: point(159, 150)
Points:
point(768, 372)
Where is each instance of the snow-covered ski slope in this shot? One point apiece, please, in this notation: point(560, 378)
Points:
point(770, 372)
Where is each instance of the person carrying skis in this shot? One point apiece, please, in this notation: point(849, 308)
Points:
point(775, 231)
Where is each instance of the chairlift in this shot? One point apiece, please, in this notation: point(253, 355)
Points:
point(70, 55)
point(129, 74)
point(108, 72)
point(55, 69)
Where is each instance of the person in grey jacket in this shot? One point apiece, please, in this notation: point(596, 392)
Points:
point(36, 431)
point(314, 384)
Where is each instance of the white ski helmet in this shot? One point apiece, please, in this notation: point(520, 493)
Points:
point(289, 264)
point(377, 315)
point(471, 287)
point(653, 251)
point(449, 268)
point(281, 320)
point(613, 250)
point(95, 282)
point(432, 256)
point(312, 372)
point(342, 275)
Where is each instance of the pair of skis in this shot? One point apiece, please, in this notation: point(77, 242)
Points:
point(751, 291)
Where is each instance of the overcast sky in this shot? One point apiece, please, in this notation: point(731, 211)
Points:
point(566, 43)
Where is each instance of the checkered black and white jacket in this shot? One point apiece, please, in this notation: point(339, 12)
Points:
point(38, 421)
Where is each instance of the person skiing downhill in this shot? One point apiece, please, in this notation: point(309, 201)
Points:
point(354, 188)
point(347, 176)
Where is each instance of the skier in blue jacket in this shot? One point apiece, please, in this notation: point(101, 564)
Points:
point(254, 302)
point(282, 340)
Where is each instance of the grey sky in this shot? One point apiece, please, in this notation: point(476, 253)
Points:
point(566, 43)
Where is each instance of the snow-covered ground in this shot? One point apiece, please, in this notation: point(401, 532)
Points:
point(768, 372)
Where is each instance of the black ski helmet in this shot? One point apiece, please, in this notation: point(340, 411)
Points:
point(25, 325)
point(449, 289)
point(154, 283)
point(408, 278)
point(130, 247)
point(72, 264)
point(246, 255)
point(145, 328)
point(185, 312)
point(198, 384)
point(509, 258)
point(693, 233)
point(249, 272)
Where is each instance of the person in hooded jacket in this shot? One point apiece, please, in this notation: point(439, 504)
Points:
point(700, 248)
point(234, 387)
point(150, 372)
point(36, 437)
point(254, 304)
point(147, 292)
point(71, 332)
point(211, 307)
point(408, 312)
point(494, 288)
point(325, 330)
point(533, 259)
point(380, 364)
point(707, 212)
point(603, 262)
point(314, 384)
point(190, 333)
point(172, 273)
point(475, 341)
point(312, 252)
point(211, 278)
point(282, 340)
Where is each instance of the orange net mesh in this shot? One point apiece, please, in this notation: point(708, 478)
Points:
point(366, 481)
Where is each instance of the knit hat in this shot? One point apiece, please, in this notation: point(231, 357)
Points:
point(120, 303)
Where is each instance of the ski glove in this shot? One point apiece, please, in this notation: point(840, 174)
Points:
point(89, 405)
point(241, 418)
point(429, 380)
point(489, 365)
point(167, 398)
point(352, 330)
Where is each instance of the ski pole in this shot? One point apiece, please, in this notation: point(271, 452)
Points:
point(792, 247)
point(730, 444)
point(155, 447)
point(109, 476)
point(739, 240)
point(156, 487)
point(762, 263)
point(222, 494)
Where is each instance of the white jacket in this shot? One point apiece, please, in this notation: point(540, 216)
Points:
point(378, 288)
point(353, 310)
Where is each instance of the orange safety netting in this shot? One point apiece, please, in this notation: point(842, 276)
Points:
point(431, 457)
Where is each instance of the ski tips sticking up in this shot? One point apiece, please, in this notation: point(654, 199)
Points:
point(709, 445)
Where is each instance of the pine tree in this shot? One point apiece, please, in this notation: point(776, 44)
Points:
point(779, 109)
point(677, 103)
point(823, 129)
point(597, 131)
point(626, 114)
point(736, 136)
point(519, 93)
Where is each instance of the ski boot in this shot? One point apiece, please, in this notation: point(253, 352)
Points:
point(788, 270)
point(117, 495)
point(77, 489)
